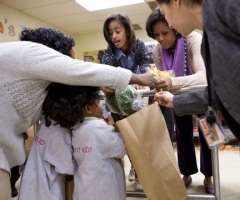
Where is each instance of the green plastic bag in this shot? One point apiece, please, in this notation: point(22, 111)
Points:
point(127, 100)
point(113, 104)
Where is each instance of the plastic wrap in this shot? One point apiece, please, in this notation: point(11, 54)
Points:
point(129, 101)
point(113, 104)
point(163, 74)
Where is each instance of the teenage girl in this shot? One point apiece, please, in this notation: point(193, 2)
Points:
point(126, 51)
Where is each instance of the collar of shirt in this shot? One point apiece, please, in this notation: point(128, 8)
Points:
point(126, 62)
point(85, 119)
point(92, 118)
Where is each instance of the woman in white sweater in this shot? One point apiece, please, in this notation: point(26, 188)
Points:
point(27, 68)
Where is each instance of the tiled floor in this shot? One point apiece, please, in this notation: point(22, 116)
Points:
point(229, 164)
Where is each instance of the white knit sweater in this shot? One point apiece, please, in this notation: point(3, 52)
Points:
point(26, 69)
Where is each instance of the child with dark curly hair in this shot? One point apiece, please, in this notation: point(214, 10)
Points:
point(97, 148)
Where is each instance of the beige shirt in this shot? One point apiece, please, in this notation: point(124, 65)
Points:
point(195, 61)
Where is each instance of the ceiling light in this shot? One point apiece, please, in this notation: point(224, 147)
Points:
point(92, 5)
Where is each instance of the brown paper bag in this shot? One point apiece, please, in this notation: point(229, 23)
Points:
point(69, 185)
point(148, 144)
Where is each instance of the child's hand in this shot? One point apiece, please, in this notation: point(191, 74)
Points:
point(109, 120)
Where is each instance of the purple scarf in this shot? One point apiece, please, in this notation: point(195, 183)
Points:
point(175, 61)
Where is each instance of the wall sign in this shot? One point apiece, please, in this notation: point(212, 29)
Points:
point(8, 28)
point(93, 56)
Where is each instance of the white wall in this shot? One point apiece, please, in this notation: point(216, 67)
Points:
point(12, 22)
point(96, 41)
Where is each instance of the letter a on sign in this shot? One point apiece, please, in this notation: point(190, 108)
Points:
point(1, 28)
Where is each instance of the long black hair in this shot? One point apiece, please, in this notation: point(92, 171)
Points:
point(124, 20)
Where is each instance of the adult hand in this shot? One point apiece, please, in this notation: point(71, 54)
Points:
point(164, 99)
point(138, 87)
point(146, 79)
point(107, 91)
point(163, 84)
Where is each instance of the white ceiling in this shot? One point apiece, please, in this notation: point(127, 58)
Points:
point(71, 17)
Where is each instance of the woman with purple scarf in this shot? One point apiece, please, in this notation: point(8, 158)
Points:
point(183, 55)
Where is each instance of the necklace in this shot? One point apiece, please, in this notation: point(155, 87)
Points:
point(185, 58)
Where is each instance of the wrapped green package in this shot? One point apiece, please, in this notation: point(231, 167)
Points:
point(113, 104)
point(126, 98)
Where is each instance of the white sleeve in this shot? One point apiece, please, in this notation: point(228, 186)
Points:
point(41, 62)
point(58, 153)
point(114, 144)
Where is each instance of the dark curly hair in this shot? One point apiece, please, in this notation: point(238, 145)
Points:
point(65, 103)
point(50, 37)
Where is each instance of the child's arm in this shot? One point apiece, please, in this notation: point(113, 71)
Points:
point(115, 142)
point(116, 145)
point(59, 152)
point(111, 140)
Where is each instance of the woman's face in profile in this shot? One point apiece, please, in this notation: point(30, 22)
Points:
point(178, 16)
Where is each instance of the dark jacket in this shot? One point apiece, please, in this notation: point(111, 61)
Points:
point(109, 57)
point(221, 54)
